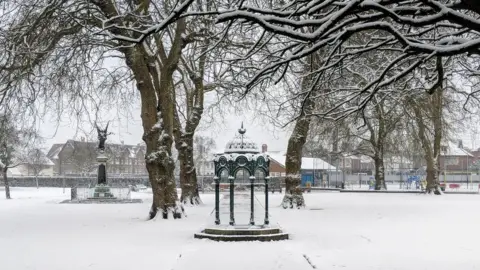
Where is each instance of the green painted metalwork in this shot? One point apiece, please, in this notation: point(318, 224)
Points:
point(217, 200)
point(240, 154)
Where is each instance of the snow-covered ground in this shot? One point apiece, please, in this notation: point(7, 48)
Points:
point(335, 231)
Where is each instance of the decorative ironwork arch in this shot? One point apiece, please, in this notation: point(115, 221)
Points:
point(241, 153)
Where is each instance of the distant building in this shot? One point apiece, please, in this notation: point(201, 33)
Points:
point(25, 169)
point(79, 158)
point(455, 159)
point(40, 166)
point(205, 166)
point(312, 170)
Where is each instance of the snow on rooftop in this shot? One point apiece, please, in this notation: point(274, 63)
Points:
point(307, 163)
point(14, 172)
point(47, 161)
point(56, 151)
point(131, 152)
point(454, 150)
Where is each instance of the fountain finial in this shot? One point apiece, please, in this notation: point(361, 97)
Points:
point(242, 130)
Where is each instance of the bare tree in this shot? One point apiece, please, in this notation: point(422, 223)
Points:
point(293, 159)
point(77, 37)
point(13, 139)
point(204, 148)
point(36, 161)
point(414, 32)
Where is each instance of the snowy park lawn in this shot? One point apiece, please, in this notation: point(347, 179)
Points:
point(334, 231)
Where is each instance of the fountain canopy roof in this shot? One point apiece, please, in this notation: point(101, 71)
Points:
point(241, 144)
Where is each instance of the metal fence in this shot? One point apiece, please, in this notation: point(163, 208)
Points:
point(335, 180)
point(68, 181)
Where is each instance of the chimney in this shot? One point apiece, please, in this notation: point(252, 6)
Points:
point(122, 142)
point(264, 148)
point(82, 139)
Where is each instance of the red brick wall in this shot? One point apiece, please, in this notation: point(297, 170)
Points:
point(276, 167)
point(463, 163)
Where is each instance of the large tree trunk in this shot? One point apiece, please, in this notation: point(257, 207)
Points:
point(377, 140)
point(157, 120)
point(293, 160)
point(434, 109)
point(433, 183)
point(293, 163)
point(188, 174)
point(153, 72)
point(7, 184)
point(160, 167)
point(184, 140)
point(379, 173)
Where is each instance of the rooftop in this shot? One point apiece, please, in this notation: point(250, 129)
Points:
point(307, 163)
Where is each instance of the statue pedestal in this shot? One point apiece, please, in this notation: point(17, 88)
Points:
point(102, 190)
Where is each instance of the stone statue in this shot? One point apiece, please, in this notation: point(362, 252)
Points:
point(102, 136)
point(102, 159)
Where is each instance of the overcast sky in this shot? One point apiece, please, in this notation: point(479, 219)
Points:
point(130, 131)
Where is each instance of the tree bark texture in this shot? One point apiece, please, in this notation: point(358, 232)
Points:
point(293, 160)
point(188, 174)
point(7, 184)
point(194, 99)
point(379, 173)
point(432, 107)
point(293, 163)
point(153, 67)
point(378, 136)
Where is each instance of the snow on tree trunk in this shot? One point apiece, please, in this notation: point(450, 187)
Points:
point(188, 174)
point(184, 140)
point(293, 160)
point(293, 164)
point(160, 167)
point(378, 136)
point(379, 173)
point(431, 109)
point(153, 68)
point(7, 184)
point(157, 119)
point(433, 183)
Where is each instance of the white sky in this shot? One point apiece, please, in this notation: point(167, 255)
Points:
point(225, 127)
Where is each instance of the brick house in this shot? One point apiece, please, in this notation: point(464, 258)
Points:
point(455, 159)
point(79, 158)
point(313, 169)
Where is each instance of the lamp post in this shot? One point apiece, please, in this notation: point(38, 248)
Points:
point(266, 200)
point(232, 215)
point(217, 200)
point(252, 215)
